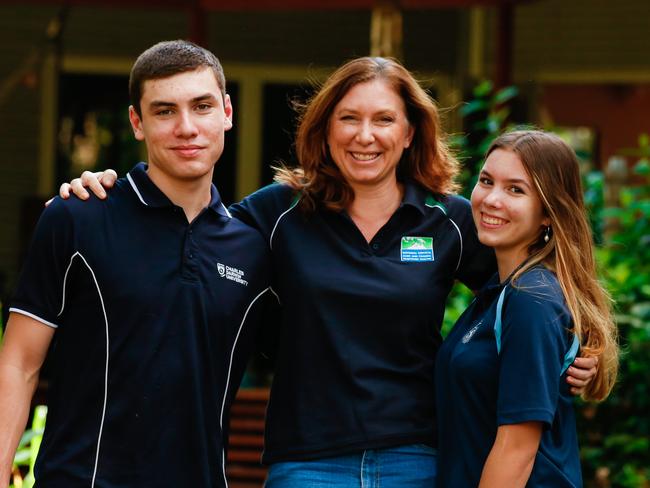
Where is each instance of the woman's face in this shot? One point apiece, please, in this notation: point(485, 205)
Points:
point(507, 210)
point(368, 132)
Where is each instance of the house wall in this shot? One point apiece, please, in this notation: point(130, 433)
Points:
point(254, 47)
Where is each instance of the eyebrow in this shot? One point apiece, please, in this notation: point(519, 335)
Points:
point(200, 98)
point(509, 180)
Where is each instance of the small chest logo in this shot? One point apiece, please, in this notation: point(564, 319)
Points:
point(416, 249)
point(470, 333)
point(232, 274)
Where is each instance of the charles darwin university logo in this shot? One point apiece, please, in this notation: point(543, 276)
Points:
point(232, 274)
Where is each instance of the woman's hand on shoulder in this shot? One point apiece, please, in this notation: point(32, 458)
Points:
point(96, 182)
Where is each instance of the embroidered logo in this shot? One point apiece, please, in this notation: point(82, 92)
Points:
point(232, 274)
point(470, 333)
point(416, 249)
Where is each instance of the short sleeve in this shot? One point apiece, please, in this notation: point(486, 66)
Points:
point(263, 209)
point(534, 340)
point(40, 289)
point(477, 262)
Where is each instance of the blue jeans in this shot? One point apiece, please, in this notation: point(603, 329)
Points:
point(411, 466)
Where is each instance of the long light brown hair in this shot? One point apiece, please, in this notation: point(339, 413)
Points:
point(427, 161)
point(553, 167)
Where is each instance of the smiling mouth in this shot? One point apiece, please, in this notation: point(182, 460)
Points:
point(364, 156)
point(489, 220)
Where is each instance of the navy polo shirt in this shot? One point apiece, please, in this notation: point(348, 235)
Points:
point(479, 389)
point(154, 320)
point(360, 322)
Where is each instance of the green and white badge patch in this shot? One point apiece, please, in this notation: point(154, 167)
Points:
point(416, 249)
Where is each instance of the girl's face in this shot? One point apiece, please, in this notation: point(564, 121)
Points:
point(507, 210)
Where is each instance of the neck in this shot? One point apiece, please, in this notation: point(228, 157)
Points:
point(508, 261)
point(192, 195)
point(374, 205)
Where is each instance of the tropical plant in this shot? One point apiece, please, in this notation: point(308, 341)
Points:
point(615, 435)
point(28, 450)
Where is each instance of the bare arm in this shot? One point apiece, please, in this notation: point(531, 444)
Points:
point(22, 354)
point(511, 459)
point(580, 373)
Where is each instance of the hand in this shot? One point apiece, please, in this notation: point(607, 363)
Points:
point(580, 374)
point(96, 182)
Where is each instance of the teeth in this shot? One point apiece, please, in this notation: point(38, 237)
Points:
point(493, 220)
point(364, 157)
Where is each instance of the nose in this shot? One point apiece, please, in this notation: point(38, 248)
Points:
point(365, 134)
point(493, 198)
point(185, 127)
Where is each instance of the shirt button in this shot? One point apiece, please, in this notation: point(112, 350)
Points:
point(375, 246)
point(191, 256)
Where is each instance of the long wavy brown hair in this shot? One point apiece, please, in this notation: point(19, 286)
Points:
point(428, 160)
point(553, 167)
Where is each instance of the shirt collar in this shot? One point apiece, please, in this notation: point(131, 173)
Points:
point(419, 197)
point(151, 196)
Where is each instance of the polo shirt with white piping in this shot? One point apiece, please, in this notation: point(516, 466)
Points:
point(155, 319)
point(360, 321)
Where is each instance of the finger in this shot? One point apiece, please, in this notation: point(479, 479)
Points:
point(586, 363)
point(577, 381)
point(47, 204)
point(78, 189)
point(577, 391)
point(580, 373)
point(107, 178)
point(89, 180)
point(64, 192)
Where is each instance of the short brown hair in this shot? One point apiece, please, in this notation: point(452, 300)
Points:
point(169, 58)
point(427, 161)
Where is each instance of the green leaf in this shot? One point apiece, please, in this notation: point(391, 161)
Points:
point(473, 107)
point(506, 94)
point(483, 89)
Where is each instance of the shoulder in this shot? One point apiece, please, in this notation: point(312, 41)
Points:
point(275, 193)
point(537, 295)
point(265, 207)
point(455, 208)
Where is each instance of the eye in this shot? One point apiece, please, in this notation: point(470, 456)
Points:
point(347, 118)
point(163, 112)
point(515, 189)
point(203, 107)
point(484, 180)
point(386, 119)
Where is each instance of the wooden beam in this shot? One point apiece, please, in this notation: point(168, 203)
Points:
point(248, 5)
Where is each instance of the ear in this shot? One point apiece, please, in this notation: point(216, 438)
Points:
point(228, 112)
point(136, 124)
point(409, 136)
point(546, 222)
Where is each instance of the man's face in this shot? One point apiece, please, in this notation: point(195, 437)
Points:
point(183, 121)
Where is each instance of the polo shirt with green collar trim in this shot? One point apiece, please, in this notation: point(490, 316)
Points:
point(360, 321)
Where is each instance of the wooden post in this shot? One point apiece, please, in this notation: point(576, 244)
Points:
point(198, 18)
point(505, 40)
point(386, 30)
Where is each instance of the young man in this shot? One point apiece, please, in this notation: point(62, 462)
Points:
point(149, 300)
